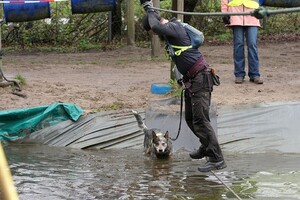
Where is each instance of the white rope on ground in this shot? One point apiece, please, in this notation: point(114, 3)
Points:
point(237, 196)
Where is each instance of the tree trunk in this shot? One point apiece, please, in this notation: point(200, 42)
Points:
point(117, 20)
point(189, 6)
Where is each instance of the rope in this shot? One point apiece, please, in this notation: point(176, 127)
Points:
point(180, 115)
point(258, 13)
point(237, 196)
point(11, 81)
point(201, 14)
point(282, 11)
point(17, 90)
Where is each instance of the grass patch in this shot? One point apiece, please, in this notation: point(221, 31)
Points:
point(116, 105)
point(21, 79)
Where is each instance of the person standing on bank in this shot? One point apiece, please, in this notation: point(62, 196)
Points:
point(192, 65)
point(243, 26)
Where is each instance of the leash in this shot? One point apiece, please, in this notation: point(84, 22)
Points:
point(237, 196)
point(180, 115)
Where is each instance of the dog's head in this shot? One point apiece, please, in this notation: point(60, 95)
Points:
point(162, 144)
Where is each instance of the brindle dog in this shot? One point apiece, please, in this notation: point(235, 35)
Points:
point(156, 143)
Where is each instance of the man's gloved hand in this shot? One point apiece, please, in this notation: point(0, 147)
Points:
point(146, 4)
point(226, 19)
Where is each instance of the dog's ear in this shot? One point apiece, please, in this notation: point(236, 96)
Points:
point(154, 136)
point(167, 136)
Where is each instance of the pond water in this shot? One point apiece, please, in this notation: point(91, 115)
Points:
point(44, 172)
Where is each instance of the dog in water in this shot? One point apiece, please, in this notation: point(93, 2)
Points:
point(156, 143)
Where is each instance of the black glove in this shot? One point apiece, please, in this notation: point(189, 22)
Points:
point(226, 19)
point(146, 4)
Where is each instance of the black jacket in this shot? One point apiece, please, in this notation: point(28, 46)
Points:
point(175, 33)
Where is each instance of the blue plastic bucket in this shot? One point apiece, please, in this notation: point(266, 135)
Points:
point(160, 88)
point(92, 6)
point(26, 12)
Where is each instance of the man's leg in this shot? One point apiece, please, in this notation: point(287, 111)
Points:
point(200, 152)
point(203, 128)
point(188, 110)
point(200, 106)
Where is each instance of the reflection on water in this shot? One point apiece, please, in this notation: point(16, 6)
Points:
point(42, 172)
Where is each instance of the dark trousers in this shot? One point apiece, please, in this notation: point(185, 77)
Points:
point(197, 104)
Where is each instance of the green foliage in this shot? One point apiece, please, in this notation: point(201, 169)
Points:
point(176, 88)
point(21, 79)
point(115, 105)
point(84, 45)
point(62, 29)
point(283, 22)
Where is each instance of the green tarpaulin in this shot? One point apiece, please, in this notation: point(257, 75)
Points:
point(16, 124)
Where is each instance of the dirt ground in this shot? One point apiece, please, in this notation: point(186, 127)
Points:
point(121, 78)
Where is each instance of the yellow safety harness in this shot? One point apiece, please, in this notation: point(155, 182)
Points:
point(181, 49)
point(196, 38)
point(247, 3)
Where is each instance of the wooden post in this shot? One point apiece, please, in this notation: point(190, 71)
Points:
point(155, 42)
point(130, 22)
point(180, 6)
point(109, 33)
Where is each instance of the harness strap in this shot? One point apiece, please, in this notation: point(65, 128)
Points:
point(181, 49)
point(199, 65)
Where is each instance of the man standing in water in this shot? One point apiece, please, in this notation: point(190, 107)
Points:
point(196, 77)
